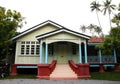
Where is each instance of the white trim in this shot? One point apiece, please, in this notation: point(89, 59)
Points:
point(36, 27)
point(17, 51)
point(94, 44)
point(59, 40)
point(62, 31)
point(46, 41)
point(63, 39)
point(35, 50)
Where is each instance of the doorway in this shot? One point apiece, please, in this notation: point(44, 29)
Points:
point(62, 54)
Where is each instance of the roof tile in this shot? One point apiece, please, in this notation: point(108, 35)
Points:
point(96, 40)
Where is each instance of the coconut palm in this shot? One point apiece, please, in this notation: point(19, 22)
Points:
point(108, 7)
point(95, 29)
point(96, 6)
point(83, 28)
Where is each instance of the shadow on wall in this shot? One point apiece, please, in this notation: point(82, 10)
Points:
point(32, 71)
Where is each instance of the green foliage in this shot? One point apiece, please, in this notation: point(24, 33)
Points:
point(116, 18)
point(111, 41)
point(115, 36)
point(9, 22)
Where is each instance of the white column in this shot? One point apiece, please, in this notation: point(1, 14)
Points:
point(115, 58)
point(46, 53)
point(100, 55)
point(85, 47)
point(80, 52)
point(41, 52)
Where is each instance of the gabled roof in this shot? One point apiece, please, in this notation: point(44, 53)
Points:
point(36, 27)
point(63, 30)
point(60, 29)
point(96, 40)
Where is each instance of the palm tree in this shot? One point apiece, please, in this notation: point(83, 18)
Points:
point(108, 7)
point(83, 28)
point(95, 29)
point(96, 6)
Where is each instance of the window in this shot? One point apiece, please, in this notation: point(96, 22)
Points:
point(74, 49)
point(23, 42)
point(37, 49)
point(33, 42)
point(28, 42)
point(22, 49)
point(29, 48)
point(50, 49)
point(32, 49)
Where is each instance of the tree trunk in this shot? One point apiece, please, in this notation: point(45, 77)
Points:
point(98, 19)
point(110, 20)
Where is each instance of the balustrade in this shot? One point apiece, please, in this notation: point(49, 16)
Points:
point(96, 59)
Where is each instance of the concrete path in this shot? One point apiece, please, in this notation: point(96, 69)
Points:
point(63, 72)
point(37, 81)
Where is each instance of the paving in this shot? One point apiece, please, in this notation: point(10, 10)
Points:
point(63, 72)
point(38, 81)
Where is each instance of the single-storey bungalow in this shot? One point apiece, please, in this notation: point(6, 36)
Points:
point(48, 44)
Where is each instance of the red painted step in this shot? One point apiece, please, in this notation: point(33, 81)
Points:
point(63, 72)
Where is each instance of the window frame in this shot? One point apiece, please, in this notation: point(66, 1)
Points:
point(29, 48)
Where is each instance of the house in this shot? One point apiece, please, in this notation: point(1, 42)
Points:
point(48, 44)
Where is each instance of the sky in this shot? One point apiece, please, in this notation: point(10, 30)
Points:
point(69, 13)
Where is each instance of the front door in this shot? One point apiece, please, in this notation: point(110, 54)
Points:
point(62, 54)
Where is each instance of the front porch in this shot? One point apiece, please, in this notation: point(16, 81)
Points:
point(62, 52)
point(96, 57)
point(78, 52)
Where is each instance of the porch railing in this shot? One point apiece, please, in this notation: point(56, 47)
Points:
point(107, 59)
point(104, 59)
point(93, 59)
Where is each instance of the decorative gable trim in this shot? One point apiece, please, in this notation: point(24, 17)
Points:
point(36, 27)
point(63, 30)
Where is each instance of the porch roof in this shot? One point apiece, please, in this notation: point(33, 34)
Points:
point(63, 30)
point(95, 41)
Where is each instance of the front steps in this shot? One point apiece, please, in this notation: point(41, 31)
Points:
point(63, 72)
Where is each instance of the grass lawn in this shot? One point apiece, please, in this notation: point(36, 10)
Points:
point(114, 76)
point(20, 76)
